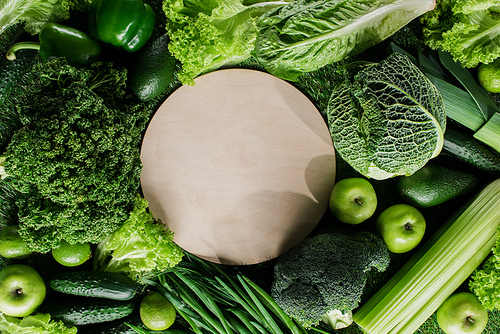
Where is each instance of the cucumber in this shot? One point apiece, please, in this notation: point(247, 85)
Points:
point(469, 150)
point(432, 185)
point(153, 70)
point(114, 327)
point(94, 284)
point(84, 311)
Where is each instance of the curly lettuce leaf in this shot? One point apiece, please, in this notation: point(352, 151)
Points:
point(140, 247)
point(33, 324)
point(468, 30)
point(388, 119)
point(485, 280)
point(34, 14)
point(309, 34)
point(205, 36)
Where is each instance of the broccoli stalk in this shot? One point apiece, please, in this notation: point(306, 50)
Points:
point(323, 277)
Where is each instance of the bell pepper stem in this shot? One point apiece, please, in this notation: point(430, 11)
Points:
point(11, 54)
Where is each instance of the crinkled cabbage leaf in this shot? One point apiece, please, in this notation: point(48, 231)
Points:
point(306, 35)
point(387, 119)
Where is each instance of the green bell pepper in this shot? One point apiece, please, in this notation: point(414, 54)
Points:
point(57, 40)
point(123, 23)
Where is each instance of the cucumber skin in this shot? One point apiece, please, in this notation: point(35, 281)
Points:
point(86, 311)
point(94, 284)
point(469, 150)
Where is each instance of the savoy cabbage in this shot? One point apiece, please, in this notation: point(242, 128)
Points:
point(387, 119)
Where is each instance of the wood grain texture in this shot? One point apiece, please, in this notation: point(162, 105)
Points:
point(239, 166)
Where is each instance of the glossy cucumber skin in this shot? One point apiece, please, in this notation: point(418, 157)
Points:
point(94, 284)
point(85, 311)
point(468, 149)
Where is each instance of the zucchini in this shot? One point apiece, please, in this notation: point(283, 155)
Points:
point(85, 311)
point(94, 284)
point(469, 150)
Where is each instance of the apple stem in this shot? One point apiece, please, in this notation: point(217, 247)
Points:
point(359, 201)
point(17, 292)
point(407, 226)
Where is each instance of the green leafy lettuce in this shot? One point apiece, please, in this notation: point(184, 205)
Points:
point(308, 34)
point(34, 14)
point(468, 29)
point(485, 280)
point(387, 119)
point(206, 35)
point(33, 324)
point(140, 248)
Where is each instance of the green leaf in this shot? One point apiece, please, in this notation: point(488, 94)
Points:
point(307, 35)
point(388, 120)
point(484, 102)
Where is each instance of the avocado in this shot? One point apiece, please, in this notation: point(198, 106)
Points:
point(432, 185)
point(153, 69)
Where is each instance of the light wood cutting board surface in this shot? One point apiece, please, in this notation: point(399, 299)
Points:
point(239, 166)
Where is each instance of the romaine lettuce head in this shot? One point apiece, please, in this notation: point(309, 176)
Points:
point(387, 119)
point(306, 35)
point(33, 324)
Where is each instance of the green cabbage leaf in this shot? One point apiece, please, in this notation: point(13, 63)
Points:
point(387, 119)
point(306, 35)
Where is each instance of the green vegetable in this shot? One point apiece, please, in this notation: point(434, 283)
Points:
point(436, 270)
point(387, 119)
point(153, 70)
point(33, 324)
point(94, 284)
point(432, 185)
point(123, 23)
point(470, 150)
point(140, 248)
point(75, 162)
point(85, 311)
point(34, 14)
point(206, 35)
point(326, 272)
point(57, 40)
point(214, 299)
point(306, 35)
point(488, 76)
point(485, 280)
point(468, 29)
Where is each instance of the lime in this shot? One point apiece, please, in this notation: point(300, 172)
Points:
point(12, 246)
point(488, 76)
point(72, 255)
point(157, 313)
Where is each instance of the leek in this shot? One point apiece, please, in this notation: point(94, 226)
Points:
point(436, 270)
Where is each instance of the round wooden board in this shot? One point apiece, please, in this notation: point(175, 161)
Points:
point(239, 166)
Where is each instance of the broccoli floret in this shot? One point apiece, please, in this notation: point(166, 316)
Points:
point(326, 272)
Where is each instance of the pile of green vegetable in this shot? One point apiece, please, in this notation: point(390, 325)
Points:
point(71, 133)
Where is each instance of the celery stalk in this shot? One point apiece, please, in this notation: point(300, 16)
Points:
point(436, 270)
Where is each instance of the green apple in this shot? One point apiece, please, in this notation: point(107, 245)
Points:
point(462, 312)
point(22, 290)
point(401, 226)
point(353, 200)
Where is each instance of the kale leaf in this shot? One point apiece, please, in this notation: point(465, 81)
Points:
point(76, 158)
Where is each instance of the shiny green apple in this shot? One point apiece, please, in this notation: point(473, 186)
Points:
point(401, 226)
point(353, 200)
point(22, 290)
point(462, 313)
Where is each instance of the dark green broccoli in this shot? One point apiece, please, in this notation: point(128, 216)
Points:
point(326, 272)
point(76, 158)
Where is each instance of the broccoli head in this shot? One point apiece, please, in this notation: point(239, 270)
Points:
point(326, 272)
